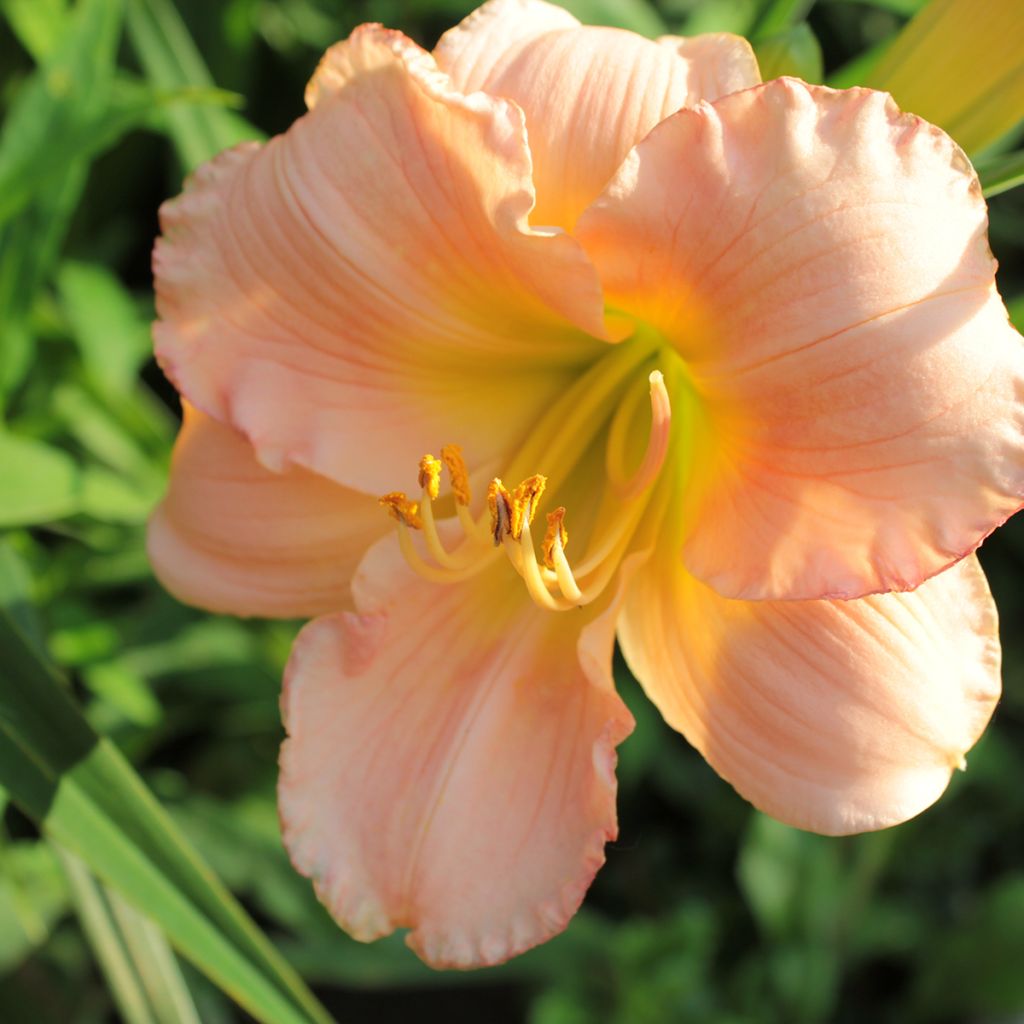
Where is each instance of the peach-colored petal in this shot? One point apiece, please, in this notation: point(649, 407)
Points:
point(450, 762)
point(231, 536)
point(589, 93)
point(366, 287)
point(720, 63)
point(820, 262)
point(837, 717)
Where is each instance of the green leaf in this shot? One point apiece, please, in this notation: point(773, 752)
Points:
point(41, 181)
point(102, 933)
point(140, 968)
point(125, 690)
point(41, 484)
point(737, 16)
point(635, 15)
point(780, 15)
point(171, 61)
point(858, 70)
point(959, 65)
point(82, 794)
point(37, 24)
point(16, 593)
point(111, 333)
point(33, 896)
point(1002, 173)
point(93, 423)
point(159, 972)
point(38, 483)
point(795, 52)
point(906, 8)
point(973, 971)
point(112, 499)
point(30, 243)
point(64, 102)
point(1016, 310)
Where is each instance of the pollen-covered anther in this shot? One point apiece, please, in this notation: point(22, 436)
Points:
point(402, 509)
point(556, 534)
point(553, 551)
point(430, 476)
point(451, 456)
point(525, 499)
point(499, 504)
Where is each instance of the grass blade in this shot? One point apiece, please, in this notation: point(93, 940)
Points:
point(82, 793)
point(1002, 173)
point(171, 61)
point(169, 997)
point(106, 943)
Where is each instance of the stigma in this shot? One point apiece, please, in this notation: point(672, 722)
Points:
point(455, 551)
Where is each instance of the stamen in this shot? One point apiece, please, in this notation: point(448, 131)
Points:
point(554, 555)
point(579, 411)
point(657, 441)
point(535, 584)
point(582, 408)
point(499, 504)
point(451, 455)
point(401, 508)
point(433, 539)
point(432, 572)
point(556, 532)
point(430, 476)
point(524, 503)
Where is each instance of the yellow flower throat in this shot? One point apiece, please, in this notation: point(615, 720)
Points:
point(581, 412)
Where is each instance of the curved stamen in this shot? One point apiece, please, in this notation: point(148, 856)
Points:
point(432, 572)
point(554, 555)
point(657, 441)
point(560, 437)
point(444, 558)
point(535, 584)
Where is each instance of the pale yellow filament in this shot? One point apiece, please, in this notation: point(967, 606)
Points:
point(555, 442)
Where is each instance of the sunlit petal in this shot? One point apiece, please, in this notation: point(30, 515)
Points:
point(368, 280)
point(837, 717)
point(589, 93)
point(450, 762)
point(826, 276)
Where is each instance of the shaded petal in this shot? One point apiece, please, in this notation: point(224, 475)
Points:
point(837, 717)
point(826, 276)
point(450, 762)
point(589, 93)
point(366, 287)
point(231, 536)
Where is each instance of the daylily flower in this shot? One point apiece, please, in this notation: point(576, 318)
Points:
point(660, 353)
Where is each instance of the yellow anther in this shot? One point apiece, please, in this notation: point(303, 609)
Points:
point(402, 509)
point(451, 455)
point(556, 532)
point(525, 499)
point(499, 504)
point(430, 476)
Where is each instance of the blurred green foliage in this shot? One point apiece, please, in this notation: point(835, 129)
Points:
point(706, 913)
